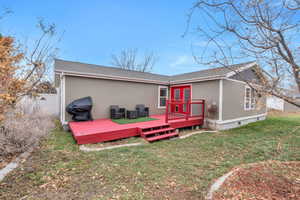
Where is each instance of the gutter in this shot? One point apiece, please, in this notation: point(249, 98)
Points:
point(110, 77)
point(192, 80)
point(140, 80)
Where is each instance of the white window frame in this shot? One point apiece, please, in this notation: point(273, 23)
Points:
point(251, 99)
point(167, 96)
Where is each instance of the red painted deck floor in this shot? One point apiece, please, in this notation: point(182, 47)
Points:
point(101, 130)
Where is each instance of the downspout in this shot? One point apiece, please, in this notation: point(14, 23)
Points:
point(62, 98)
point(220, 100)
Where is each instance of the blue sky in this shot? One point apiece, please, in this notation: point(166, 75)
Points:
point(95, 29)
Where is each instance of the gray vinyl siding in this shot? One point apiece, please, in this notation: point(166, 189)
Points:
point(233, 101)
point(247, 75)
point(111, 92)
point(208, 90)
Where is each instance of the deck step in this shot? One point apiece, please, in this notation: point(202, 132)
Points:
point(155, 127)
point(157, 131)
point(160, 137)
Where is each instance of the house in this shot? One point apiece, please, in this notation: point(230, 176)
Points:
point(229, 101)
point(275, 103)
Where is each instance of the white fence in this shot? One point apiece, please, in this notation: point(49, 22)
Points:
point(275, 103)
point(48, 103)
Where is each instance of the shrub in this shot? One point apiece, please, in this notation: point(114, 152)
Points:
point(22, 129)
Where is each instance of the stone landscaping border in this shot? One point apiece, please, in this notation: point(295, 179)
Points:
point(218, 183)
point(14, 164)
point(194, 133)
point(89, 149)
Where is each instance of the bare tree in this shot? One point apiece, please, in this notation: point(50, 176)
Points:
point(38, 59)
point(127, 59)
point(23, 68)
point(292, 4)
point(263, 30)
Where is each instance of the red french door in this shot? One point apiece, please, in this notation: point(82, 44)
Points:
point(180, 94)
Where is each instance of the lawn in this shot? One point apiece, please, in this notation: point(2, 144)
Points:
point(128, 121)
point(172, 169)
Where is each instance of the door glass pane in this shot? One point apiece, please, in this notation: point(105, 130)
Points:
point(186, 93)
point(177, 94)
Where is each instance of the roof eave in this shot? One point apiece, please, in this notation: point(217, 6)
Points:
point(168, 82)
point(232, 73)
point(193, 80)
point(110, 77)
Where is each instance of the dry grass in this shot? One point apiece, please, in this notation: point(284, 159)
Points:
point(266, 180)
point(22, 129)
point(277, 113)
point(171, 169)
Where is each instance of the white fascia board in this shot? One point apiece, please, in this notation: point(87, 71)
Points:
point(103, 76)
point(109, 77)
point(193, 80)
point(232, 73)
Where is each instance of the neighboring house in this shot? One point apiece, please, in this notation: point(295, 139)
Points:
point(276, 103)
point(45, 88)
point(221, 87)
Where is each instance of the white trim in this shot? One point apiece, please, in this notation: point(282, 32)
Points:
point(242, 118)
point(252, 96)
point(63, 98)
point(234, 80)
point(232, 73)
point(193, 80)
point(158, 98)
point(221, 100)
point(236, 119)
point(110, 77)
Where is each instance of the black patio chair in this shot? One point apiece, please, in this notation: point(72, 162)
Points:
point(142, 111)
point(116, 112)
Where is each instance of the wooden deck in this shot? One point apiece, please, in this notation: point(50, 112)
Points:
point(101, 130)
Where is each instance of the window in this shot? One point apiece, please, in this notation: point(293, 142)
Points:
point(162, 96)
point(250, 98)
point(177, 94)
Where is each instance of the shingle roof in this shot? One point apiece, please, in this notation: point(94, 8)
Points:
point(69, 66)
point(213, 72)
point(90, 69)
